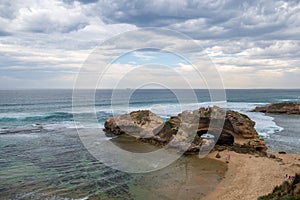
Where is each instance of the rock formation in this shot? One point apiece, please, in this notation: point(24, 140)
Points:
point(280, 108)
point(138, 123)
point(191, 131)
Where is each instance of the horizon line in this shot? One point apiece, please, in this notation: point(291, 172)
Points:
point(151, 89)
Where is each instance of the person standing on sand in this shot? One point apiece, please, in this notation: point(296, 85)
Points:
point(227, 157)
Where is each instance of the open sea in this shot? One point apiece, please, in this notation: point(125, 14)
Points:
point(43, 157)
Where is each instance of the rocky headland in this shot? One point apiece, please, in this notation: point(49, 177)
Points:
point(201, 129)
point(280, 108)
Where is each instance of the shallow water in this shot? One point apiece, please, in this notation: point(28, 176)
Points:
point(54, 164)
point(187, 178)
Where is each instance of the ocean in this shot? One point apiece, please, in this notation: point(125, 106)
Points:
point(43, 157)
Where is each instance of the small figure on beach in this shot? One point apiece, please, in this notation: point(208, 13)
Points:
point(227, 157)
point(286, 176)
point(291, 178)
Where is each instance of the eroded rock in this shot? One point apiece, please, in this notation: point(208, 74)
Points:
point(137, 123)
point(185, 132)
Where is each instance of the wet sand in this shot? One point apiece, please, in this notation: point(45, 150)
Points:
point(249, 177)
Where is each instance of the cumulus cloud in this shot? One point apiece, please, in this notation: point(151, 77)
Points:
point(46, 17)
point(55, 22)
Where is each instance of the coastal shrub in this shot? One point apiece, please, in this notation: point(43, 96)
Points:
point(197, 137)
point(169, 124)
point(208, 113)
point(291, 198)
point(139, 118)
point(245, 116)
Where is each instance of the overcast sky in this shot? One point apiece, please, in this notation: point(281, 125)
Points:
point(253, 44)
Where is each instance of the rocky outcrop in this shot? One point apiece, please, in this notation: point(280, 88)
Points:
point(140, 123)
point(191, 131)
point(280, 108)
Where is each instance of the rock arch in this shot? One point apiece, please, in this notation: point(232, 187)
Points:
point(225, 138)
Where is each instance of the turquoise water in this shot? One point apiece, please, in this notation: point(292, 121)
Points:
point(55, 165)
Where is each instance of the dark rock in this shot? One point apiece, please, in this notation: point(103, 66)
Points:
point(218, 155)
point(272, 156)
point(282, 152)
point(220, 148)
point(280, 108)
point(225, 139)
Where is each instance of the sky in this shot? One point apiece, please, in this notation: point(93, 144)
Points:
point(252, 44)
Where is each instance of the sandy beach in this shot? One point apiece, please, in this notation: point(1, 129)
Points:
point(249, 177)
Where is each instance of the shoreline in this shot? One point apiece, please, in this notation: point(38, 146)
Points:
point(250, 176)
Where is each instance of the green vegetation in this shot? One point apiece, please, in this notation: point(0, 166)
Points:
point(208, 113)
point(197, 137)
point(245, 116)
point(139, 118)
point(169, 124)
